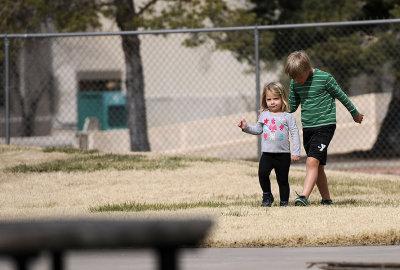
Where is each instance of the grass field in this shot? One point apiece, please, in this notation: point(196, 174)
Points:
point(63, 183)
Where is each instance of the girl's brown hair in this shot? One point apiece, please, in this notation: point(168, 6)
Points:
point(297, 63)
point(275, 88)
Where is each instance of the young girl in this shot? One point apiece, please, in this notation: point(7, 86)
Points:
point(275, 123)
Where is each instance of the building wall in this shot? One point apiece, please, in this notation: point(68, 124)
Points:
point(193, 138)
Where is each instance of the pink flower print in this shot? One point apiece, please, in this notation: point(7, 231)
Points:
point(273, 121)
point(272, 128)
point(266, 121)
point(281, 127)
point(265, 135)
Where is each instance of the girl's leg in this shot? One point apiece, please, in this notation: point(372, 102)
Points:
point(264, 170)
point(282, 165)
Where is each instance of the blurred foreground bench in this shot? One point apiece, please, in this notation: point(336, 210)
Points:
point(25, 240)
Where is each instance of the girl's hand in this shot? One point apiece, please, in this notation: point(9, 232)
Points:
point(242, 124)
point(295, 158)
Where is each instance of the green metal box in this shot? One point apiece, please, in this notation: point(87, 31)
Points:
point(109, 107)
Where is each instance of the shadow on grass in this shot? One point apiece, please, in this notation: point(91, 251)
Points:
point(141, 207)
point(361, 203)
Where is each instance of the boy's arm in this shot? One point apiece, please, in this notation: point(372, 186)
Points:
point(294, 99)
point(335, 91)
point(294, 132)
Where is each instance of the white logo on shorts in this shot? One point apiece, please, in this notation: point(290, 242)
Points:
point(322, 147)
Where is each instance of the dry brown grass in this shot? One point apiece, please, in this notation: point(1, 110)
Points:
point(366, 212)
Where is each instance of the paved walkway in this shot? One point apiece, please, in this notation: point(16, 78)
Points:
point(225, 258)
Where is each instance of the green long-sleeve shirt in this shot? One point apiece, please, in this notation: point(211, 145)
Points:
point(317, 98)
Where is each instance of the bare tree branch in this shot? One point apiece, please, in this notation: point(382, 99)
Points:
point(146, 7)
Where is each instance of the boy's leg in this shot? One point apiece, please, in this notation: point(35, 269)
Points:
point(322, 183)
point(316, 142)
point(312, 165)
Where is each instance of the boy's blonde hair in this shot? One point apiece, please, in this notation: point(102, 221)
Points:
point(275, 88)
point(297, 63)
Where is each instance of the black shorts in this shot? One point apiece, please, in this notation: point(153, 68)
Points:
point(316, 141)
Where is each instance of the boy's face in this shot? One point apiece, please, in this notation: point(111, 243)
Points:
point(301, 79)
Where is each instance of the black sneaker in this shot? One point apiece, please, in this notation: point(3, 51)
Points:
point(268, 199)
point(301, 200)
point(326, 202)
point(284, 203)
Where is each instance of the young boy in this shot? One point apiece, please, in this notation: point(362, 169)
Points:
point(316, 91)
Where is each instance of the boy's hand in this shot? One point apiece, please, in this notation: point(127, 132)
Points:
point(358, 118)
point(295, 158)
point(242, 124)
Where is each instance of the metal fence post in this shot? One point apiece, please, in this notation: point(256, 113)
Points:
point(257, 66)
point(7, 91)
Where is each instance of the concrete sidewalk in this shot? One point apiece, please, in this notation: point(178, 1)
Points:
point(286, 258)
point(225, 258)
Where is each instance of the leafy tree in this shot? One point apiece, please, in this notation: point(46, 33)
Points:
point(360, 50)
point(30, 15)
point(381, 52)
point(174, 14)
point(33, 16)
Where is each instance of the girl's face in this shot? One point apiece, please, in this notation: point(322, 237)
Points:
point(274, 102)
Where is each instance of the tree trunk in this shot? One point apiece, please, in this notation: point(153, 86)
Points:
point(36, 75)
point(388, 142)
point(137, 121)
point(28, 123)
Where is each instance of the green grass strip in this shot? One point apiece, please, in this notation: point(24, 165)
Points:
point(140, 207)
point(94, 162)
point(70, 150)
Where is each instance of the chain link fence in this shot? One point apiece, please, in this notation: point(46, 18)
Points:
point(70, 90)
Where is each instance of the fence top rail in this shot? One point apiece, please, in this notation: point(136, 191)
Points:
point(199, 30)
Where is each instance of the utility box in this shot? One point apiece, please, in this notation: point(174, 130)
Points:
point(109, 107)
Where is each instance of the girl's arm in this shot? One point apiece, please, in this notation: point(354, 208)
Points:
point(255, 130)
